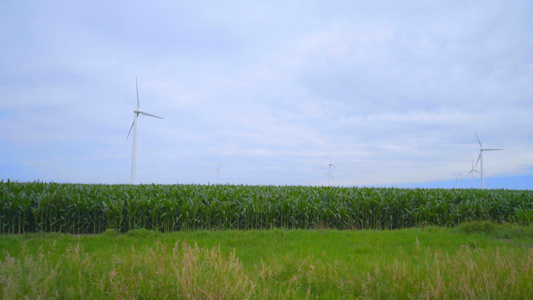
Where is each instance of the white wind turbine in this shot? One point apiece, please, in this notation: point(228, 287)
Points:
point(136, 113)
point(330, 170)
point(218, 173)
point(472, 171)
point(480, 159)
point(457, 179)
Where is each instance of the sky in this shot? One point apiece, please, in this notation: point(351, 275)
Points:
point(269, 92)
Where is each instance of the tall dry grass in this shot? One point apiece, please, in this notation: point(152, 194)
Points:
point(468, 274)
point(186, 272)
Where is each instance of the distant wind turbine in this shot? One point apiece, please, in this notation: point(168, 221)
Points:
point(218, 173)
point(330, 171)
point(136, 113)
point(480, 159)
point(457, 179)
point(472, 171)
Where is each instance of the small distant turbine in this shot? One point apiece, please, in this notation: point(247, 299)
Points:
point(472, 171)
point(480, 159)
point(136, 113)
point(218, 173)
point(330, 171)
point(457, 179)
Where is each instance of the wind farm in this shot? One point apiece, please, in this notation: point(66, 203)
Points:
point(281, 110)
point(282, 150)
point(473, 170)
point(331, 167)
point(480, 160)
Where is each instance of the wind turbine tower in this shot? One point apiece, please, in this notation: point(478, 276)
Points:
point(218, 173)
point(330, 170)
point(472, 171)
point(457, 179)
point(480, 159)
point(136, 113)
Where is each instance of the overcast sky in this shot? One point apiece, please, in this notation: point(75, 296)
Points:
point(392, 91)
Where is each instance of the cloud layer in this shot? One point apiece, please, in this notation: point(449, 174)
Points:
point(391, 91)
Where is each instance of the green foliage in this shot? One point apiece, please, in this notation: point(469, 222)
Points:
point(498, 231)
point(87, 209)
point(111, 232)
point(477, 227)
point(142, 233)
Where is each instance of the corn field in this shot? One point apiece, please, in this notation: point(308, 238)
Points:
point(85, 209)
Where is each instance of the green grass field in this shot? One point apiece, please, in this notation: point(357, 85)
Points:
point(479, 260)
point(76, 241)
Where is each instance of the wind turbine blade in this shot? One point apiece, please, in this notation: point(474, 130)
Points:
point(457, 178)
point(132, 123)
point(478, 158)
point(469, 173)
point(137, 88)
point(150, 115)
point(332, 176)
point(481, 146)
point(491, 149)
